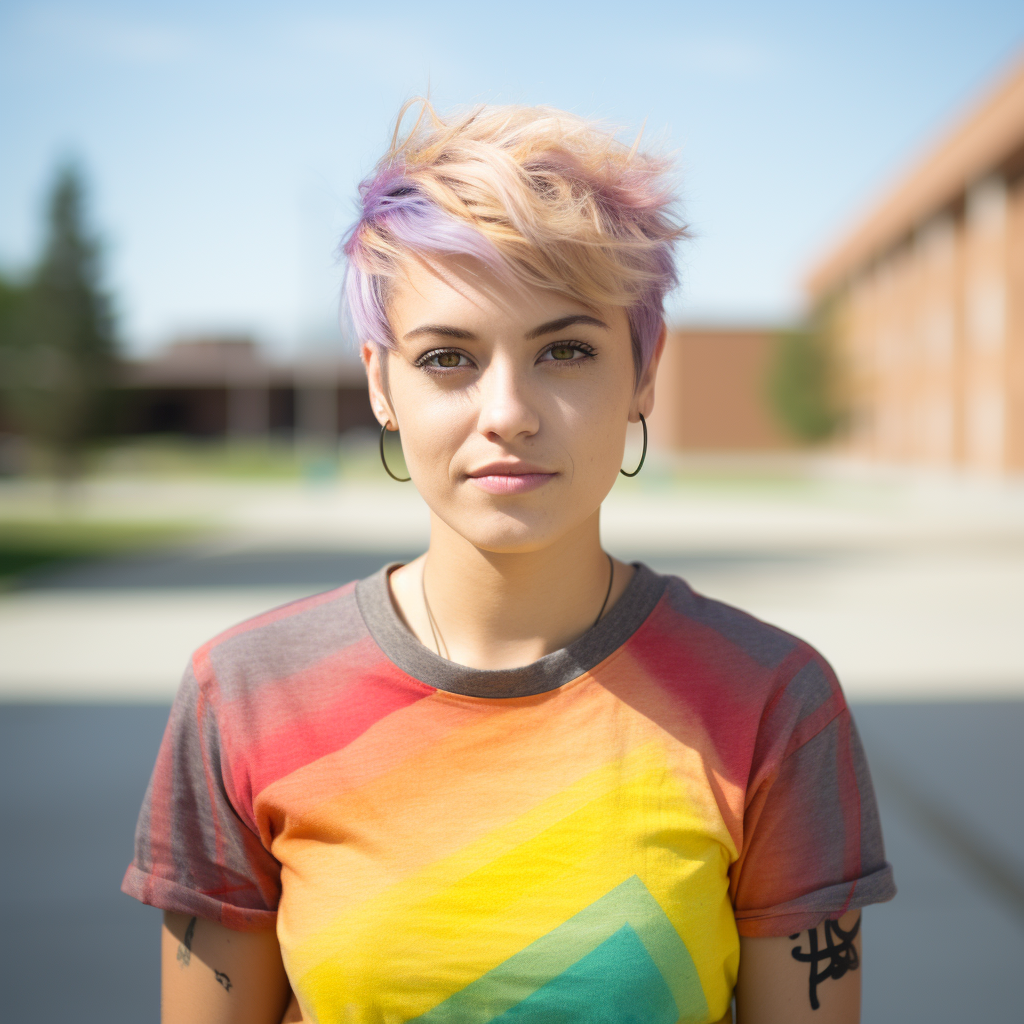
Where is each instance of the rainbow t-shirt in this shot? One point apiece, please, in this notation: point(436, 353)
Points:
point(433, 851)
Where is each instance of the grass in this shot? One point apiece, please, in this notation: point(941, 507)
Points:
point(181, 456)
point(355, 456)
point(26, 545)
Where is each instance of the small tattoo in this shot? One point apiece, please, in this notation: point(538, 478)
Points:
point(223, 979)
point(841, 955)
point(185, 946)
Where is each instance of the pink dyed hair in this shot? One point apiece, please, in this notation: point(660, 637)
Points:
point(538, 195)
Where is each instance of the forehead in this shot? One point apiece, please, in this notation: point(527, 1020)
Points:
point(463, 292)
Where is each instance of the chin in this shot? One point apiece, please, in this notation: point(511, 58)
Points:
point(510, 540)
point(506, 534)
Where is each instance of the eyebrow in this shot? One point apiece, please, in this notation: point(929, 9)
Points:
point(443, 330)
point(551, 327)
point(566, 321)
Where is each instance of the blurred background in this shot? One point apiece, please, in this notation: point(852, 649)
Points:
point(838, 444)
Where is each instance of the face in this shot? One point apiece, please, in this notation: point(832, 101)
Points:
point(512, 402)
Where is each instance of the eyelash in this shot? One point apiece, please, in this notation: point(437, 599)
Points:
point(577, 346)
point(423, 362)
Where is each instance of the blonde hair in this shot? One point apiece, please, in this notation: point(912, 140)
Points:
point(541, 196)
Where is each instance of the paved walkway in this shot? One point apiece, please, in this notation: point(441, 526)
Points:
point(74, 948)
point(912, 594)
point(916, 595)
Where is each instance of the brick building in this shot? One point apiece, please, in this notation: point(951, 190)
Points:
point(925, 297)
point(226, 387)
point(711, 393)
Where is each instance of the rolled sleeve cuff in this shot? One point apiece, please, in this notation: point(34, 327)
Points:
point(809, 910)
point(167, 894)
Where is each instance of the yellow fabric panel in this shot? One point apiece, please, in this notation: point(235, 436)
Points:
point(352, 847)
point(476, 908)
point(370, 836)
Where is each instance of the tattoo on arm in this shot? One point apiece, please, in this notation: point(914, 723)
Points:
point(839, 955)
point(185, 956)
point(185, 946)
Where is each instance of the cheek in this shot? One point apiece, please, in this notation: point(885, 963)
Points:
point(434, 426)
point(591, 431)
point(601, 439)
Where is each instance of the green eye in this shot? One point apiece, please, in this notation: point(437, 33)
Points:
point(562, 352)
point(449, 360)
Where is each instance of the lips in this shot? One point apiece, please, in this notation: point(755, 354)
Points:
point(509, 478)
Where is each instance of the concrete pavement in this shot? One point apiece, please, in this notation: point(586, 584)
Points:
point(945, 951)
point(916, 594)
point(911, 592)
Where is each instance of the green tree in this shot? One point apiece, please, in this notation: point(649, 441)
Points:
point(59, 342)
point(12, 306)
point(802, 385)
point(13, 302)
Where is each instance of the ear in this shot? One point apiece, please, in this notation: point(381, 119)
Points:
point(373, 359)
point(643, 399)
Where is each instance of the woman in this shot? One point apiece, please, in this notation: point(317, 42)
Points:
point(515, 779)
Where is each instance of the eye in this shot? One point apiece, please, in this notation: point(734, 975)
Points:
point(567, 352)
point(443, 359)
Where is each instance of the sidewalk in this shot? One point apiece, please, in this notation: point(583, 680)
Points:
point(911, 593)
point(917, 597)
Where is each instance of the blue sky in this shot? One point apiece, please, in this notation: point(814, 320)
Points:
point(223, 141)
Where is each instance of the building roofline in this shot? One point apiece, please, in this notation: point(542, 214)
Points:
point(981, 140)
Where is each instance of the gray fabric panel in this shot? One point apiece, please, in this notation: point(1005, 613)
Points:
point(277, 650)
point(762, 642)
point(553, 670)
point(810, 688)
point(241, 871)
point(804, 823)
point(872, 845)
point(876, 886)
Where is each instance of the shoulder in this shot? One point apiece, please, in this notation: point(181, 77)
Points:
point(737, 640)
point(281, 644)
point(285, 688)
point(737, 672)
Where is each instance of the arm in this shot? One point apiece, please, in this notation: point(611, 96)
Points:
point(213, 975)
point(810, 978)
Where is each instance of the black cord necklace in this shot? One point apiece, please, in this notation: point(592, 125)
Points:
point(435, 629)
point(608, 592)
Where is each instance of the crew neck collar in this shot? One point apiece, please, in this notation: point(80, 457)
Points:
point(373, 596)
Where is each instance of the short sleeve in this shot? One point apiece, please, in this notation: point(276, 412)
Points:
point(812, 844)
point(194, 853)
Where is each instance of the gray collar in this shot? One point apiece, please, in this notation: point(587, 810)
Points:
point(373, 595)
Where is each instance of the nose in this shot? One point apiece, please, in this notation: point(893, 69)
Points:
point(506, 412)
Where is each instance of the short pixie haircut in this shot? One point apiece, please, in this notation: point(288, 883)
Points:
point(540, 196)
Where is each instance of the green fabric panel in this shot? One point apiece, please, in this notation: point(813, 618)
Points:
point(618, 983)
point(629, 903)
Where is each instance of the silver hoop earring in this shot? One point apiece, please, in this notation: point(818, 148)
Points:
point(643, 455)
point(384, 461)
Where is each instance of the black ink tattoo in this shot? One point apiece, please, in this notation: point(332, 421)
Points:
point(223, 979)
point(185, 946)
point(841, 956)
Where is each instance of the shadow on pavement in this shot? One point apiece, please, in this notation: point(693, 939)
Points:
point(74, 948)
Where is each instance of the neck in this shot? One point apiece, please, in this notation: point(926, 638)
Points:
point(495, 610)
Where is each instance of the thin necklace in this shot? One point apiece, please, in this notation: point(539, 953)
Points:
point(435, 629)
point(608, 592)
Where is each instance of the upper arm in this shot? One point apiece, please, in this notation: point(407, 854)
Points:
point(213, 975)
point(776, 987)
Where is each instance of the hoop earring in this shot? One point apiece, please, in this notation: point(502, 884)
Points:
point(643, 456)
point(384, 461)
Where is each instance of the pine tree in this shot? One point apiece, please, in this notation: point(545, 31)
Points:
point(61, 353)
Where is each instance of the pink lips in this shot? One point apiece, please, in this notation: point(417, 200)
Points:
point(508, 480)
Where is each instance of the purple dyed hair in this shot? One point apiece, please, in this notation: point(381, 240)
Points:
point(538, 196)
